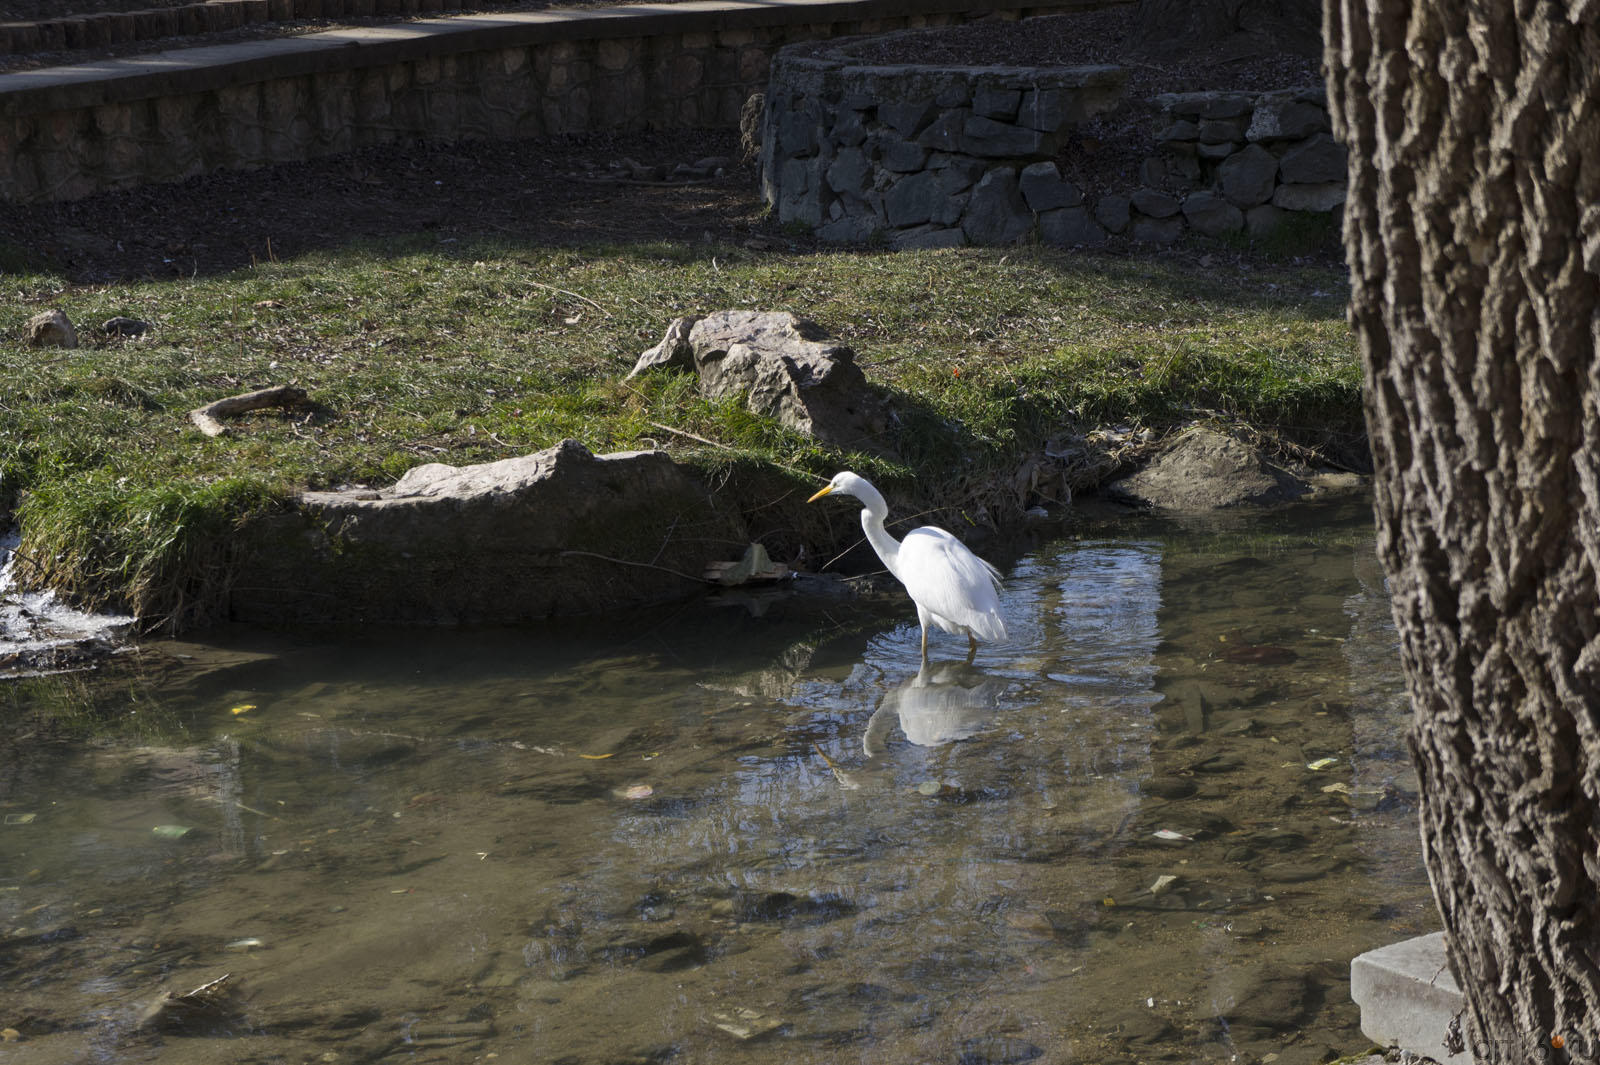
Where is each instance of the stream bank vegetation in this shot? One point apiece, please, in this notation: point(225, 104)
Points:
point(419, 350)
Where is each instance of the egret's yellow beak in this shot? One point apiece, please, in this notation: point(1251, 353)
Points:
point(820, 494)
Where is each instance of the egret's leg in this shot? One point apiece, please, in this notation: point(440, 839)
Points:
point(972, 647)
point(923, 619)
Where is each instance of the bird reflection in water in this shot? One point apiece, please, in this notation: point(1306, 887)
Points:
point(937, 706)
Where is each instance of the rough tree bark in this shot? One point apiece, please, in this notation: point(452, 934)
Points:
point(1473, 236)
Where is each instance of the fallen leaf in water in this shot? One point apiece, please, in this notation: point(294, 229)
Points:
point(596, 757)
point(171, 831)
point(1340, 788)
point(1321, 764)
point(245, 709)
point(20, 819)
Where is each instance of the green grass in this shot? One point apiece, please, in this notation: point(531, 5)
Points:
point(416, 351)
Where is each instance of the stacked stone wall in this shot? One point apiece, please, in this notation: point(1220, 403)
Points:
point(921, 156)
point(70, 132)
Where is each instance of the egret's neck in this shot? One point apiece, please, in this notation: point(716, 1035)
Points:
point(873, 511)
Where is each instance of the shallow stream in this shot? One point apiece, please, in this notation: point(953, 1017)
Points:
point(1154, 826)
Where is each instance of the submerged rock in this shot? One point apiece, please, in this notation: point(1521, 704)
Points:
point(1204, 470)
point(561, 531)
point(782, 367)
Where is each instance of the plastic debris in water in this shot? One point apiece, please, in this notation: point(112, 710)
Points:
point(638, 791)
point(1162, 883)
point(20, 819)
point(596, 757)
point(1320, 764)
point(1167, 833)
point(171, 831)
point(248, 943)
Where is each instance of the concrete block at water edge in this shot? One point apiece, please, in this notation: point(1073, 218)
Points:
point(1408, 997)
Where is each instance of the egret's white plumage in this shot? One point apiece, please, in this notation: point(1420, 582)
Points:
point(953, 588)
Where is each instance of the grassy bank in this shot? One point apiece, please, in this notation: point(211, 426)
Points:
point(422, 351)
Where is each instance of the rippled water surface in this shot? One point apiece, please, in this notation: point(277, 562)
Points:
point(1154, 826)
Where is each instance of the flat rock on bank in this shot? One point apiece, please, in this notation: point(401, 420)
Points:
point(1204, 469)
point(561, 531)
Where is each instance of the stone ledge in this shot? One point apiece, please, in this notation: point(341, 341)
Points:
point(92, 30)
point(1408, 997)
point(208, 68)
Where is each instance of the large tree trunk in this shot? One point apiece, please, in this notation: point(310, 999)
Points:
point(1473, 235)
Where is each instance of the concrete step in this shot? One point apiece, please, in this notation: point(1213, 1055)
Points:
point(1408, 997)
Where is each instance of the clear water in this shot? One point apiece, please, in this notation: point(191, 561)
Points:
point(740, 832)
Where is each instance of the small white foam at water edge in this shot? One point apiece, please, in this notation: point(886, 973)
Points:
point(35, 621)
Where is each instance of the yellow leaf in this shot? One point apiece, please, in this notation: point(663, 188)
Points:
point(242, 709)
point(596, 757)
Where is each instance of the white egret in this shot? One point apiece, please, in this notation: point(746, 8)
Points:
point(953, 588)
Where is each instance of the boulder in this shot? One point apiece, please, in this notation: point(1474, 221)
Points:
point(1044, 189)
point(51, 329)
point(849, 172)
point(1317, 160)
point(1247, 177)
point(913, 199)
point(1221, 130)
point(1205, 470)
point(988, 138)
point(1113, 212)
point(782, 367)
point(1287, 116)
point(1156, 230)
point(560, 531)
point(1154, 202)
point(896, 154)
point(997, 214)
point(996, 103)
point(1068, 227)
point(1212, 215)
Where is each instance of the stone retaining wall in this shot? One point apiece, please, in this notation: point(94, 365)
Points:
point(1232, 162)
point(71, 131)
point(922, 156)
